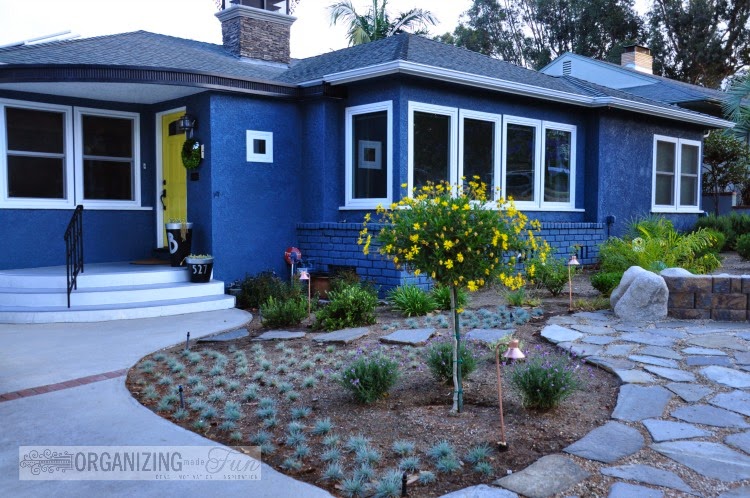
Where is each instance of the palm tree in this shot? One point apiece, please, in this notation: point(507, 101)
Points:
point(376, 24)
point(737, 105)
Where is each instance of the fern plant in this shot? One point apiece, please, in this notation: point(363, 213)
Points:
point(653, 244)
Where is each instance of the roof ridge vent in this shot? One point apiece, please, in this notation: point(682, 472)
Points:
point(567, 67)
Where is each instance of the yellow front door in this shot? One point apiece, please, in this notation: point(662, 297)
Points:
point(174, 183)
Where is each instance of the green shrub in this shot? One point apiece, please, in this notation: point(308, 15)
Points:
point(718, 241)
point(440, 359)
point(743, 246)
point(370, 377)
point(283, 312)
point(552, 275)
point(410, 300)
point(257, 289)
point(654, 244)
point(545, 379)
point(740, 223)
point(350, 306)
point(442, 297)
point(606, 282)
point(721, 224)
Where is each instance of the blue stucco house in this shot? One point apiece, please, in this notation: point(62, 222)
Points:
point(295, 152)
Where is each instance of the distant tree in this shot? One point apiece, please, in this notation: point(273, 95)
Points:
point(699, 41)
point(532, 33)
point(726, 164)
point(376, 23)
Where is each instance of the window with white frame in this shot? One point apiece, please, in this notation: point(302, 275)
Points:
point(433, 136)
point(369, 155)
point(43, 166)
point(539, 163)
point(478, 148)
point(676, 174)
point(531, 160)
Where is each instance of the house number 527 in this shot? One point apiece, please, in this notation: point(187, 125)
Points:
point(200, 269)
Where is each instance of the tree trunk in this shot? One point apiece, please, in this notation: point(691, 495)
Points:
point(458, 391)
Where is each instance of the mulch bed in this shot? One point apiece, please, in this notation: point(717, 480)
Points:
point(416, 410)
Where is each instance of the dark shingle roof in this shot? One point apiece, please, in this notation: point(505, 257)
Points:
point(420, 50)
point(672, 91)
point(141, 49)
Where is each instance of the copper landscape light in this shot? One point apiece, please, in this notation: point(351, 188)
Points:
point(513, 353)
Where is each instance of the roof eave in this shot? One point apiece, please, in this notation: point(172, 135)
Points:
point(52, 73)
point(459, 77)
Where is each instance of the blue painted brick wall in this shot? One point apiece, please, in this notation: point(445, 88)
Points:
point(335, 244)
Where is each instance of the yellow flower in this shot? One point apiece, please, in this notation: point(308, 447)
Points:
point(472, 286)
point(454, 207)
point(448, 244)
point(414, 237)
point(367, 217)
point(417, 272)
point(416, 226)
point(449, 264)
point(403, 185)
point(460, 257)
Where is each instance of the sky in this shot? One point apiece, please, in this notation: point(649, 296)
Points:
point(194, 19)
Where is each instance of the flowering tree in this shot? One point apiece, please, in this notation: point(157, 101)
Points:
point(454, 235)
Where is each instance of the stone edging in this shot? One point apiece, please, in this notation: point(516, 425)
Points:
point(715, 297)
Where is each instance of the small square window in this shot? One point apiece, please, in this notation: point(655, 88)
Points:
point(259, 146)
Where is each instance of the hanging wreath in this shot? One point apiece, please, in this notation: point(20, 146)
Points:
point(191, 153)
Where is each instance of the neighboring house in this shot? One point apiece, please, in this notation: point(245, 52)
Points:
point(296, 152)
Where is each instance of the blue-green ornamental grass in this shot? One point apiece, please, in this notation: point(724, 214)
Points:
point(259, 438)
point(301, 451)
point(331, 440)
point(332, 455)
point(292, 396)
point(251, 393)
point(303, 412)
point(364, 473)
point(478, 453)
point(295, 439)
point(485, 468)
point(370, 377)
point(403, 448)
point(216, 395)
point(367, 455)
point(356, 443)
point(409, 464)
point(389, 486)
point(426, 477)
point(353, 487)
point(291, 464)
point(545, 378)
point(333, 472)
point(322, 426)
point(441, 450)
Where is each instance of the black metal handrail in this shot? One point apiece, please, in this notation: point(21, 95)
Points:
point(74, 249)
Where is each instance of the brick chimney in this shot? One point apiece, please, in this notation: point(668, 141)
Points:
point(256, 32)
point(638, 58)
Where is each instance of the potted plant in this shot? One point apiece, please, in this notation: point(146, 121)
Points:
point(200, 267)
point(179, 239)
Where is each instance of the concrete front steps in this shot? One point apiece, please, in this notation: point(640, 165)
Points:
point(106, 291)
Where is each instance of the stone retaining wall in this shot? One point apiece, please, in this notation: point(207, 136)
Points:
point(716, 297)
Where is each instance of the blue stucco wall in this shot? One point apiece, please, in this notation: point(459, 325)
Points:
point(254, 206)
point(34, 237)
point(625, 166)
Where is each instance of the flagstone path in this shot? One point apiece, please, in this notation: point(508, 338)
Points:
point(681, 423)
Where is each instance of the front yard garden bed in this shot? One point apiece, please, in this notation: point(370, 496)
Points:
point(283, 394)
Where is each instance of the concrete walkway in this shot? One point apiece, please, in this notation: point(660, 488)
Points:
point(99, 411)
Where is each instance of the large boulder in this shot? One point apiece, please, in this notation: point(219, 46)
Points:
point(641, 296)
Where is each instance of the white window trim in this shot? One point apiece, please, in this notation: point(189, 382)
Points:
point(452, 112)
point(497, 119)
point(562, 206)
point(7, 202)
point(73, 161)
point(536, 124)
point(252, 135)
point(136, 178)
point(677, 207)
point(350, 201)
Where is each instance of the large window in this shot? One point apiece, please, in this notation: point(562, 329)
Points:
point(539, 163)
point(479, 141)
point(433, 137)
point(676, 178)
point(368, 155)
point(58, 156)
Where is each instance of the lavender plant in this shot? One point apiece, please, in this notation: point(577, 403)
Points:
point(545, 379)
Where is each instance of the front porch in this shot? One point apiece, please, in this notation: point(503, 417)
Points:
point(106, 291)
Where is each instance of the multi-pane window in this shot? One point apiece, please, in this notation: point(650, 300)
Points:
point(368, 155)
point(35, 153)
point(530, 160)
point(54, 156)
point(676, 177)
